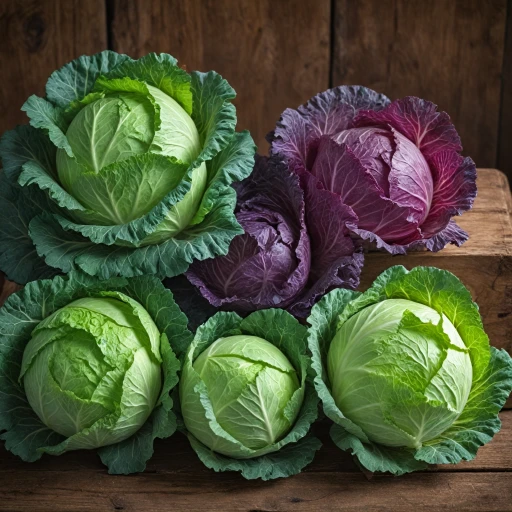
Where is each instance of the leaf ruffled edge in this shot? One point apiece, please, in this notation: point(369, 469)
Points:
point(289, 460)
point(297, 132)
point(75, 80)
point(492, 369)
point(71, 251)
point(297, 449)
point(23, 432)
point(451, 234)
point(479, 421)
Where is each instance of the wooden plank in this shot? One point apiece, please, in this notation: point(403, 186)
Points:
point(275, 54)
point(93, 491)
point(483, 263)
point(36, 38)
point(505, 130)
point(449, 52)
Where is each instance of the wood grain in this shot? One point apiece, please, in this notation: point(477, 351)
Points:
point(36, 38)
point(483, 263)
point(449, 52)
point(176, 480)
point(505, 135)
point(275, 54)
point(82, 491)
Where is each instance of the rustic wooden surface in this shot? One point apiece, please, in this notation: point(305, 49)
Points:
point(277, 54)
point(36, 38)
point(505, 129)
point(176, 480)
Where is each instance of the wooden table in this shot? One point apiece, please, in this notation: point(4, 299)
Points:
point(176, 480)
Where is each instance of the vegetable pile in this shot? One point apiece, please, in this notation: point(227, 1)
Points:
point(131, 172)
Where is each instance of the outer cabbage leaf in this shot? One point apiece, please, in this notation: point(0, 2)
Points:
point(24, 434)
point(336, 260)
point(492, 369)
point(71, 251)
point(190, 300)
point(287, 456)
point(18, 256)
point(162, 71)
point(76, 79)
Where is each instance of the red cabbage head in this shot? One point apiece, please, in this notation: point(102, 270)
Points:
point(396, 165)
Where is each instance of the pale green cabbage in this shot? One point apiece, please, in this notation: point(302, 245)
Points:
point(405, 371)
point(246, 398)
point(125, 170)
point(250, 384)
point(402, 386)
point(91, 370)
point(88, 364)
point(121, 125)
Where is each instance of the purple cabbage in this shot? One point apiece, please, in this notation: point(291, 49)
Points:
point(296, 245)
point(396, 165)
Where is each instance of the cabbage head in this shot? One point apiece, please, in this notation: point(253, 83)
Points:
point(296, 246)
point(124, 170)
point(396, 165)
point(406, 372)
point(245, 397)
point(90, 368)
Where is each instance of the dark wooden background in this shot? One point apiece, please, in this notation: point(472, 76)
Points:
point(278, 53)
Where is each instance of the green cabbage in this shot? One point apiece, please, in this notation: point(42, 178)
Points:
point(87, 364)
point(406, 372)
point(126, 167)
point(250, 383)
point(245, 396)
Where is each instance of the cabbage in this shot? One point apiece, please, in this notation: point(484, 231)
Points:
point(395, 165)
point(245, 396)
point(250, 383)
point(295, 247)
point(406, 372)
point(85, 365)
point(125, 170)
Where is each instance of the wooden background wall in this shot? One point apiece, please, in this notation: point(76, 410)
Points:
point(278, 53)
